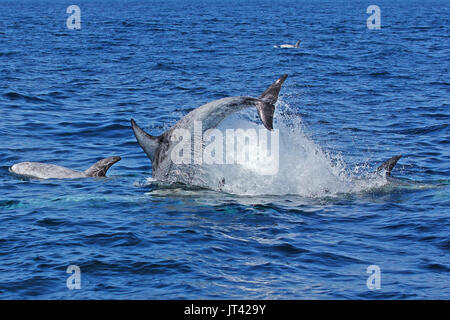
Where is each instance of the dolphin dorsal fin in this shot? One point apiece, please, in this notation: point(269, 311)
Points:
point(100, 168)
point(266, 105)
point(389, 164)
point(148, 142)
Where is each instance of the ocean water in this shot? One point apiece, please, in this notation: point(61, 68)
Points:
point(354, 98)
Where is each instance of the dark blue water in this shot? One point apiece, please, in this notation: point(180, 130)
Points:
point(355, 96)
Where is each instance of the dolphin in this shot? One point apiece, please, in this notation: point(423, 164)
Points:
point(388, 165)
point(50, 171)
point(289, 45)
point(159, 148)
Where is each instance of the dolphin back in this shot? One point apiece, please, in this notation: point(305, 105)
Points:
point(44, 171)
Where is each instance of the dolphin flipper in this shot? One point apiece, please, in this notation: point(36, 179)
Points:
point(389, 164)
point(100, 168)
point(147, 142)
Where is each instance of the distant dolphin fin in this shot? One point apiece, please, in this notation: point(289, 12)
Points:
point(389, 164)
point(100, 168)
point(267, 100)
point(147, 142)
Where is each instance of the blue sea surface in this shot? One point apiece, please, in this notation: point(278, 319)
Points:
point(354, 98)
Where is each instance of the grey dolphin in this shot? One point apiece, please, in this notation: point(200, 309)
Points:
point(389, 164)
point(289, 45)
point(158, 148)
point(51, 171)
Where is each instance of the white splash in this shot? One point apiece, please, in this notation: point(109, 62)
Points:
point(304, 168)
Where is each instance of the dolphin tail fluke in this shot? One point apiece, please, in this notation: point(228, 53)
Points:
point(266, 105)
point(298, 44)
point(272, 92)
point(100, 168)
point(389, 164)
point(147, 142)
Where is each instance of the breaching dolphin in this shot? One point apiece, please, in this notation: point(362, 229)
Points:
point(159, 148)
point(51, 171)
point(289, 45)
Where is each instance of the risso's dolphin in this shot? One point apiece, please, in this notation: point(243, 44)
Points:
point(159, 148)
point(289, 45)
point(388, 165)
point(50, 171)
